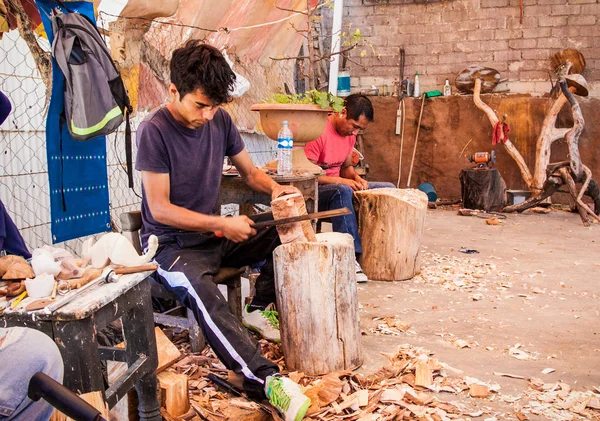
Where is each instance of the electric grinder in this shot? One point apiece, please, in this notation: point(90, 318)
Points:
point(483, 160)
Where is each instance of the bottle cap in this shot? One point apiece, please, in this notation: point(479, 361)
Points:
point(285, 123)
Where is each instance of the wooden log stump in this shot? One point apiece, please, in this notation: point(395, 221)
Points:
point(390, 225)
point(318, 304)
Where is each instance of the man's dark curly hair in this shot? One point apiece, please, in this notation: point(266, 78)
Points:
point(198, 65)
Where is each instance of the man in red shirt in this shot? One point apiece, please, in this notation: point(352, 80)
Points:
point(332, 151)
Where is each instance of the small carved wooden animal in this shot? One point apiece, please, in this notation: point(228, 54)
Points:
point(115, 248)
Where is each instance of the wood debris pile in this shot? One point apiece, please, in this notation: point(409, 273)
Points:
point(557, 401)
point(400, 390)
point(390, 326)
point(455, 273)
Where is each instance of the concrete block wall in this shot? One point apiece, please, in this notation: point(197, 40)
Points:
point(442, 38)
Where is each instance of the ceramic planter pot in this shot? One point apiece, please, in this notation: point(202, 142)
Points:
point(307, 122)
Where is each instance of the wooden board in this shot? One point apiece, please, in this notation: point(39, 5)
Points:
point(167, 352)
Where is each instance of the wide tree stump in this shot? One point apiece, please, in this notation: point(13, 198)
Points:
point(390, 225)
point(318, 304)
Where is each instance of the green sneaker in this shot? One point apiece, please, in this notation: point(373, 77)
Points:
point(286, 396)
point(264, 322)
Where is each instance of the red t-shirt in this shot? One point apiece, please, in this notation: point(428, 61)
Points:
point(330, 149)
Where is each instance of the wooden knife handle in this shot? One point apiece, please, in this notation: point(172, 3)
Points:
point(135, 269)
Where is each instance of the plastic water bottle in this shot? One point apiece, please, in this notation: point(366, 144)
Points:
point(285, 142)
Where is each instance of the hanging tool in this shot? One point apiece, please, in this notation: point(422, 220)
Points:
point(292, 219)
point(412, 161)
point(400, 119)
point(401, 66)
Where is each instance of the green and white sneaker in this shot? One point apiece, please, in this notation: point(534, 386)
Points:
point(264, 322)
point(286, 396)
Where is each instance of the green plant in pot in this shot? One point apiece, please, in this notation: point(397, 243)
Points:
point(307, 117)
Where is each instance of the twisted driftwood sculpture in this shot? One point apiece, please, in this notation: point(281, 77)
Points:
point(548, 178)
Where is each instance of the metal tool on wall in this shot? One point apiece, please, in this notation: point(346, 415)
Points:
point(400, 119)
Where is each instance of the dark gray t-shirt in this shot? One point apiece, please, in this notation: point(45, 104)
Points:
point(192, 158)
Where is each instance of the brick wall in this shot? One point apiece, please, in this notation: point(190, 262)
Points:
point(442, 38)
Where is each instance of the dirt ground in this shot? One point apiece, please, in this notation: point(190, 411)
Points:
point(535, 282)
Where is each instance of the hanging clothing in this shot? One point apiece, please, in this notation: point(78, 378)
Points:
point(500, 134)
point(11, 240)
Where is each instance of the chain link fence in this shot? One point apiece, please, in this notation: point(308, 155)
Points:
point(24, 173)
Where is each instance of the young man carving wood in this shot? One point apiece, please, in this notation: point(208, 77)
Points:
point(181, 148)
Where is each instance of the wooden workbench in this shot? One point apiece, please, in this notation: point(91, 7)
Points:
point(74, 327)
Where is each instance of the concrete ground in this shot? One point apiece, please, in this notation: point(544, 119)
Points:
point(535, 282)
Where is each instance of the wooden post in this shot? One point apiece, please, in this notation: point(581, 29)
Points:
point(318, 304)
point(390, 225)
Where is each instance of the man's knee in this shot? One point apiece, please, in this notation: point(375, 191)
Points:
point(46, 355)
point(345, 191)
point(381, 185)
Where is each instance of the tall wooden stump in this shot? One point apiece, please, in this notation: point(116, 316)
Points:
point(318, 304)
point(390, 225)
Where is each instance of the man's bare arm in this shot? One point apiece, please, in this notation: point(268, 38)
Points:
point(157, 189)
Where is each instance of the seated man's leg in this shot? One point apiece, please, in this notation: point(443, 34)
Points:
point(191, 279)
point(380, 185)
point(335, 196)
point(260, 316)
point(23, 353)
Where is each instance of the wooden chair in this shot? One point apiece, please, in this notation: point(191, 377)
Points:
point(131, 223)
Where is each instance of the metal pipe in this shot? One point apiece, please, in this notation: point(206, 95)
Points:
point(336, 43)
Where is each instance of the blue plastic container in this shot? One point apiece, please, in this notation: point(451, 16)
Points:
point(343, 84)
point(429, 190)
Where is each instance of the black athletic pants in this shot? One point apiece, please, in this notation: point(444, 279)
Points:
point(198, 258)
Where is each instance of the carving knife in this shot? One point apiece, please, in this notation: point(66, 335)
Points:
point(300, 218)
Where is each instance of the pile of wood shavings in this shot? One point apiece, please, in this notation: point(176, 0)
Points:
point(557, 401)
point(456, 273)
point(401, 390)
